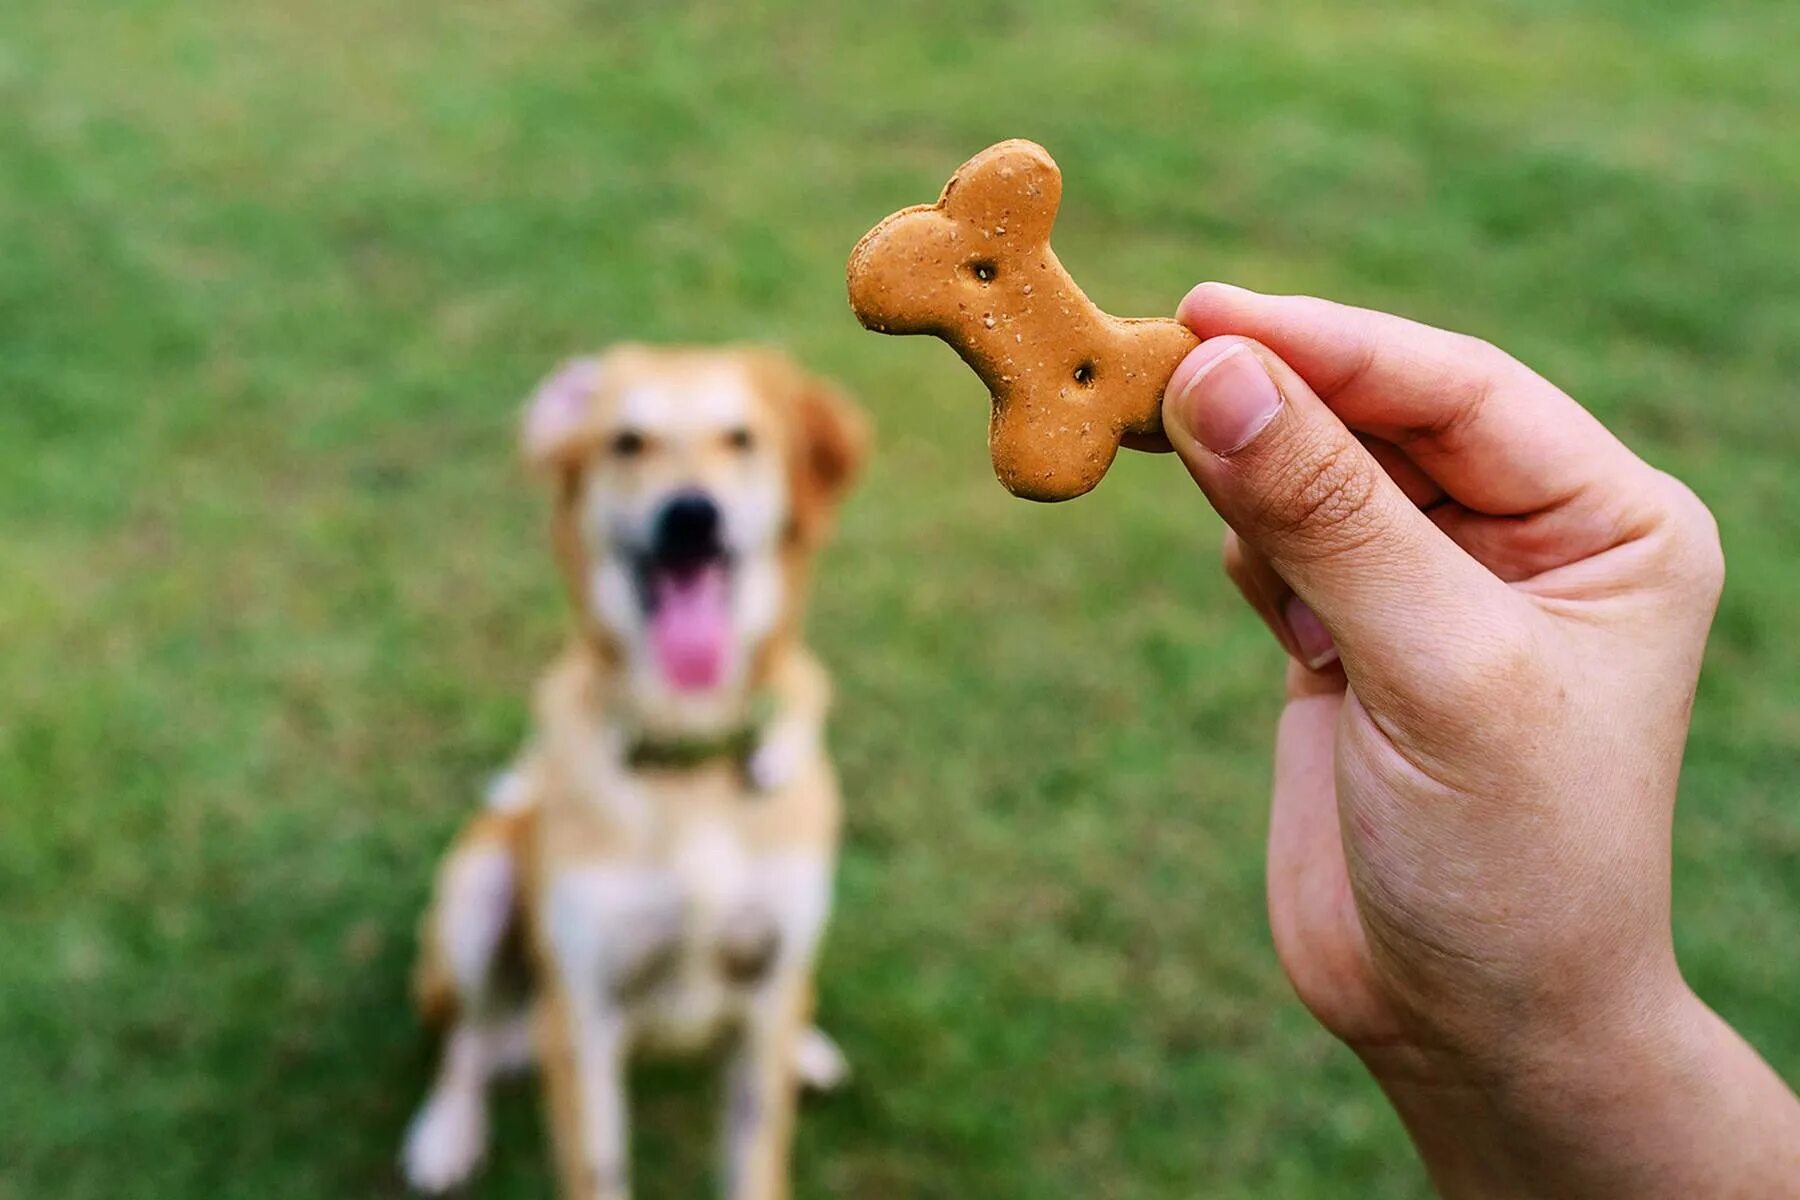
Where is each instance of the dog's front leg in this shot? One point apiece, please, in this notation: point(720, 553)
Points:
point(583, 1051)
point(784, 751)
point(792, 740)
point(760, 1093)
point(471, 911)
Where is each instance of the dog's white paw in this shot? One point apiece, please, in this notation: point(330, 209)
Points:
point(445, 1142)
point(819, 1063)
point(509, 791)
point(778, 760)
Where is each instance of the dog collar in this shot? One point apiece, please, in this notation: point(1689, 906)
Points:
point(650, 753)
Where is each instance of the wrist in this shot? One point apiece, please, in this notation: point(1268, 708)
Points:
point(1521, 1109)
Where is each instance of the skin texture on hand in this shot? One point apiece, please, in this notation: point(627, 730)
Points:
point(1496, 613)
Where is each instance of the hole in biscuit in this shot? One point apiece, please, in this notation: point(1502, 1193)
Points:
point(1084, 374)
point(984, 270)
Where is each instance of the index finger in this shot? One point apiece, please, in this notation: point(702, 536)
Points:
point(1495, 435)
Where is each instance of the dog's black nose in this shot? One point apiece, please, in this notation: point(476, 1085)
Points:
point(688, 530)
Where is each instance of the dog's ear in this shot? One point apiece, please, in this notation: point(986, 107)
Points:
point(831, 440)
point(557, 427)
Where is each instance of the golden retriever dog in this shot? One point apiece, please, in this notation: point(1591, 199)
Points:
point(653, 872)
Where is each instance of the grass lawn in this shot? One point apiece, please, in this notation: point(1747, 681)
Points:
point(273, 278)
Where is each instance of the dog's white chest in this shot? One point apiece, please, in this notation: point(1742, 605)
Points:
point(679, 943)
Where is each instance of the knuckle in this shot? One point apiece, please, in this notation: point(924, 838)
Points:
point(1324, 502)
point(1485, 357)
point(1486, 372)
point(1490, 365)
point(1694, 556)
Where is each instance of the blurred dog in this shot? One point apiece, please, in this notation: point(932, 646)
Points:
point(654, 871)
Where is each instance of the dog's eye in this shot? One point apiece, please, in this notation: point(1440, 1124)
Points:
point(740, 439)
point(627, 444)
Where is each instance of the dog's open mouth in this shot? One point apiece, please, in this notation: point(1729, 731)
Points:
point(685, 585)
point(690, 622)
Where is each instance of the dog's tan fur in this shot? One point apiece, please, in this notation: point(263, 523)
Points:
point(645, 900)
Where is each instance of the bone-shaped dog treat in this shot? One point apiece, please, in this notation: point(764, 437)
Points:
point(976, 269)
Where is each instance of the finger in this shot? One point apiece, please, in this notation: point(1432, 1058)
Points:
point(1302, 492)
point(1417, 486)
point(1515, 548)
point(1294, 625)
point(1312, 912)
point(1496, 435)
point(1306, 855)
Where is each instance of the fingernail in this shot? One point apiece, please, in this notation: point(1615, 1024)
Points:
point(1311, 637)
point(1226, 398)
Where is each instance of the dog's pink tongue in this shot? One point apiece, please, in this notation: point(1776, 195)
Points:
point(691, 627)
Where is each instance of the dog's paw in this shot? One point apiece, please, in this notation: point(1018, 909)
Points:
point(818, 1062)
point(778, 760)
point(509, 791)
point(445, 1142)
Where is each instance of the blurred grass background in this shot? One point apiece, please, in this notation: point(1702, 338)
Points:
point(273, 277)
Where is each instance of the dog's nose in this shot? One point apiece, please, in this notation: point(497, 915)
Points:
point(688, 529)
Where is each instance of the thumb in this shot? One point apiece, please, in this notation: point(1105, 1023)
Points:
point(1301, 490)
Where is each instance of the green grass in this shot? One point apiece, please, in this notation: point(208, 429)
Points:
point(273, 277)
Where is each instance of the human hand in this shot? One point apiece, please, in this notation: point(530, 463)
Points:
point(1497, 614)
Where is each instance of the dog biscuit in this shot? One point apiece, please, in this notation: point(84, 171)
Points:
point(976, 269)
